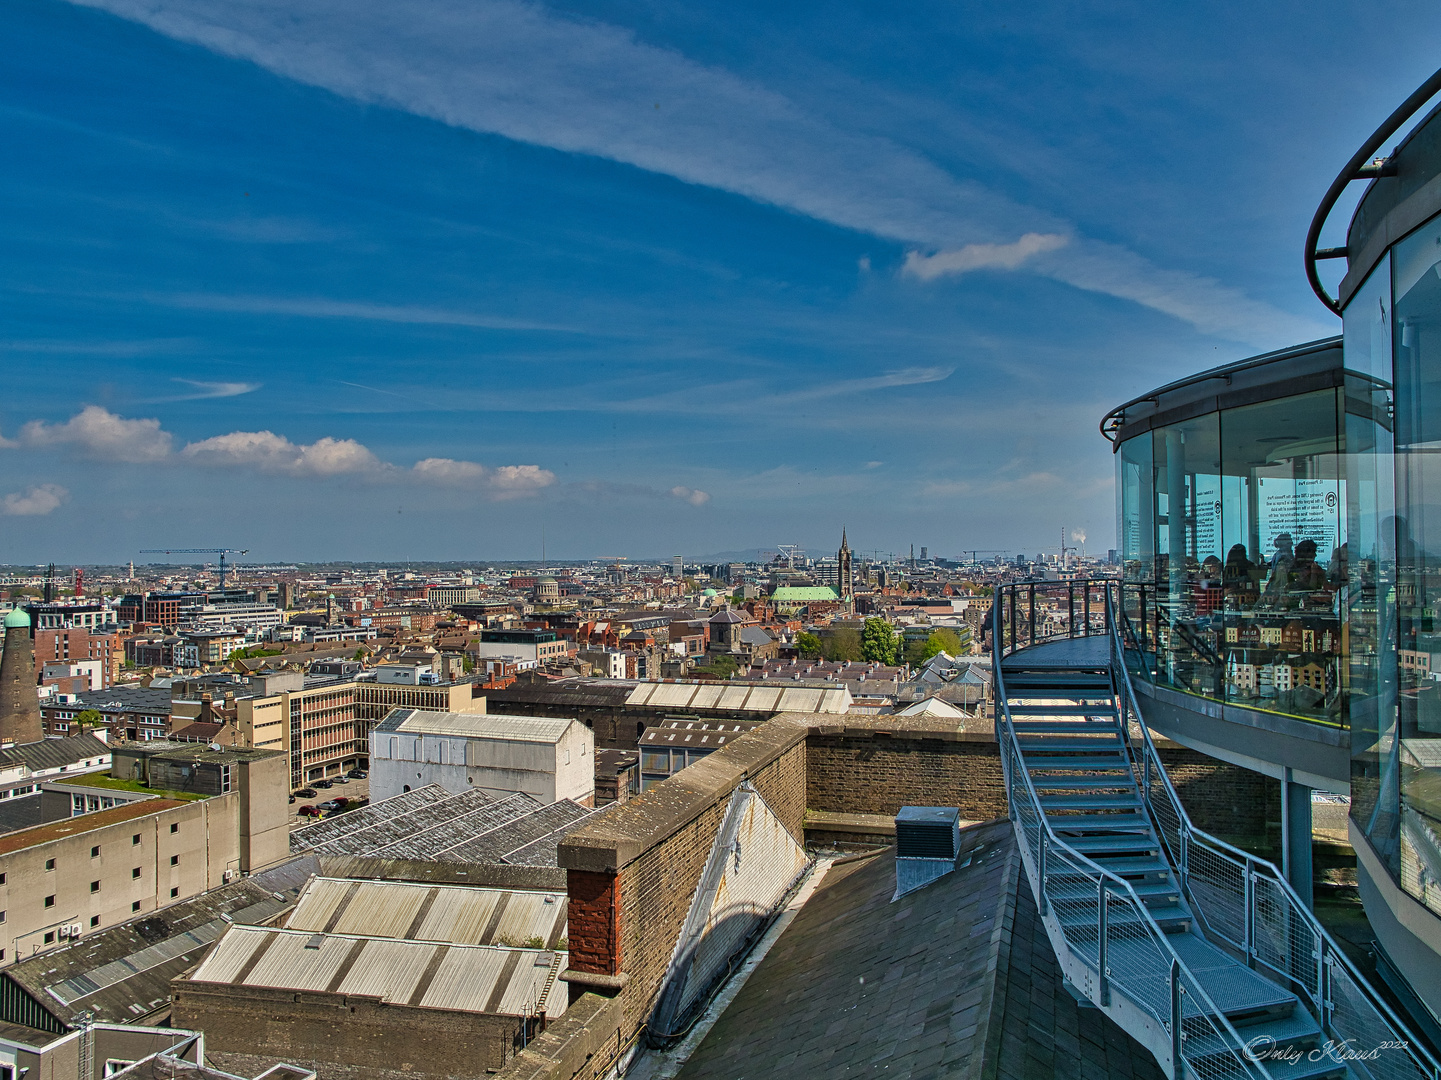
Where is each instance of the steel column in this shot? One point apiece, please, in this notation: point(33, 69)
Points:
point(1296, 837)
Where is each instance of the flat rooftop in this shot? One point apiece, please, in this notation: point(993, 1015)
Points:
point(537, 729)
point(59, 830)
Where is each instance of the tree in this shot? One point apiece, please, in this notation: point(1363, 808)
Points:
point(809, 645)
point(88, 718)
point(843, 643)
point(359, 655)
point(939, 641)
point(878, 642)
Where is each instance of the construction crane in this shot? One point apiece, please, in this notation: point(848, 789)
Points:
point(222, 552)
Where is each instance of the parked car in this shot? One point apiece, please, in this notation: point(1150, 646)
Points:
point(305, 793)
point(342, 780)
point(358, 774)
point(308, 811)
point(324, 784)
point(330, 805)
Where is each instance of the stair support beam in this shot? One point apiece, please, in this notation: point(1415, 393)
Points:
point(1296, 838)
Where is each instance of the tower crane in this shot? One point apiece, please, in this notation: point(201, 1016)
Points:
point(222, 552)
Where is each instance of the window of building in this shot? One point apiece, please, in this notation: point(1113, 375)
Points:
point(135, 906)
point(50, 900)
point(135, 873)
point(175, 860)
point(135, 839)
point(50, 938)
point(174, 827)
point(95, 920)
point(95, 886)
point(174, 893)
point(95, 852)
point(49, 864)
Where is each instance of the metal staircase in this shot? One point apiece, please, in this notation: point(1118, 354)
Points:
point(1197, 949)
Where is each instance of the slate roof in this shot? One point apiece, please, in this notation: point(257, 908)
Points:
point(432, 825)
point(53, 753)
point(956, 979)
point(123, 973)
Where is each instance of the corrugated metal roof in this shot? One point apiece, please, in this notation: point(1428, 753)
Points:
point(459, 914)
point(740, 697)
point(465, 978)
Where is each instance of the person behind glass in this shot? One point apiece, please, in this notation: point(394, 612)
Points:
point(1307, 575)
point(1238, 577)
point(1281, 564)
point(1336, 571)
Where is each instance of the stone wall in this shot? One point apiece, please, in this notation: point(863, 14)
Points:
point(347, 1030)
point(581, 1045)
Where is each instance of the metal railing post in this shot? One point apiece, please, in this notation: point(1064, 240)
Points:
point(1070, 609)
point(1086, 606)
point(1103, 919)
point(1176, 1038)
point(1041, 874)
point(1033, 615)
point(1248, 918)
point(1013, 621)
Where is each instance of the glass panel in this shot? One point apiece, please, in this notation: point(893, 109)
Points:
point(1285, 561)
point(1416, 343)
point(1189, 561)
point(1369, 677)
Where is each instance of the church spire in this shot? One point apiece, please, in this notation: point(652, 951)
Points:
point(845, 580)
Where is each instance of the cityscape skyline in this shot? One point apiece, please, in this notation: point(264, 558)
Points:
point(651, 274)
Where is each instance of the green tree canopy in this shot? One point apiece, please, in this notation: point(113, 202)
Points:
point(879, 644)
point(843, 643)
point(809, 645)
point(89, 718)
point(940, 641)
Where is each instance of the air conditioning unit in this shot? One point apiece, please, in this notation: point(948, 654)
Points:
point(75, 929)
point(230, 875)
point(65, 931)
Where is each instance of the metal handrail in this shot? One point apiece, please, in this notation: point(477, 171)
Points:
point(1298, 921)
point(1357, 169)
point(1296, 910)
point(1180, 971)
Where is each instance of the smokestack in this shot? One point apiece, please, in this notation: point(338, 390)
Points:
point(19, 701)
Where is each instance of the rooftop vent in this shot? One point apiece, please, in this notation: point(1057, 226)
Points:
point(928, 840)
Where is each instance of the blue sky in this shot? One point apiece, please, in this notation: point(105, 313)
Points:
point(427, 278)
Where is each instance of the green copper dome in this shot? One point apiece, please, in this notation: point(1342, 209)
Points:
point(18, 617)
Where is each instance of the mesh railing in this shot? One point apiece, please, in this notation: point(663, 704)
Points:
point(1105, 924)
point(1246, 903)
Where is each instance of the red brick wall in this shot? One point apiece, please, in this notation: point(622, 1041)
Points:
point(594, 922)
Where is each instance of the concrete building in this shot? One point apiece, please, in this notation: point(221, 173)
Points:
point(536, 646)
point(79, 643)
point(550, 759)
point(19, 697)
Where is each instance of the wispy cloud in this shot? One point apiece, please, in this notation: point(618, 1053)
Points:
point(34, 502)
point(691, 495)
point(324, 308)
point(513, 69)
point(204, 391)
point(982, 256)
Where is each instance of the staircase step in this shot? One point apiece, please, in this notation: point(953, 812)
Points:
point(1108, 744)
point(1064, 727)
point(1149, 891)
point(1060, 710)
point(1126, 800)
point(1083, 783)
point(1296, 1029)
point(1088, 764)
point(1127, 822)
point(1078, 921)
point(1130, 865)
point(1100, 847)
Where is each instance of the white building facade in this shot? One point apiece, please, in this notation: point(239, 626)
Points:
point(549, 758)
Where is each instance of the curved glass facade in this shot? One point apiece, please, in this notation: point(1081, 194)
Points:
point(1234, 537)
point(1282, 546)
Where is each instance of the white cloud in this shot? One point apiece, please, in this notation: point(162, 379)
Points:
point(691, 495)
point(99, 433)
point(35, 501)
point(269, 452)
point(503, 481)
point(447, 471)
point(513, 69)
point(207, 390)
point(521, 479)
point(982, 256)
